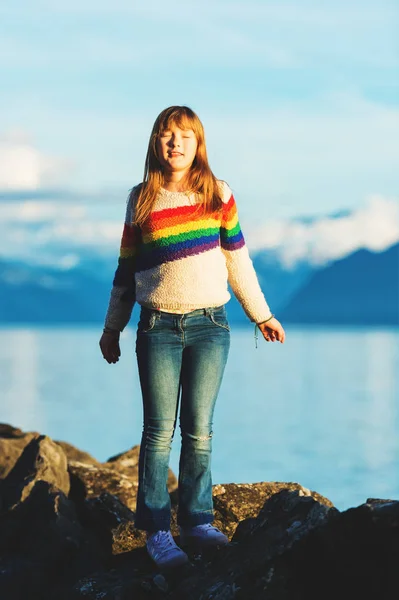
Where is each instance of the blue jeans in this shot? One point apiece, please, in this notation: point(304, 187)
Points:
point(181, 358)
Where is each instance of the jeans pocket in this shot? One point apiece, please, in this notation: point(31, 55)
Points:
point(220, 320)
point(146, 322)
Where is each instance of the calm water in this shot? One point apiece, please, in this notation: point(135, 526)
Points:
point(322, 409)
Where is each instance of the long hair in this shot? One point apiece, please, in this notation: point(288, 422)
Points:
point(199, 180)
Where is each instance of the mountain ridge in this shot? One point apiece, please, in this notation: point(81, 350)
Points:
point(335, 294)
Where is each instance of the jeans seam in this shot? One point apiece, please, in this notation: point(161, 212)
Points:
point(182, 329)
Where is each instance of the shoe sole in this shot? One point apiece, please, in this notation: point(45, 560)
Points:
point(178, 561)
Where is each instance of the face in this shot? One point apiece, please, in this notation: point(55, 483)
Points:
point(176, 149)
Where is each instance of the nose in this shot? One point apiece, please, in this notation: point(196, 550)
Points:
point(174, 141)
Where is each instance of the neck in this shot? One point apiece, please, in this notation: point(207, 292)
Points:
point(175, 181)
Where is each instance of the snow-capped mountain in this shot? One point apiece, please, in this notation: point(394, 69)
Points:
point(58, 253)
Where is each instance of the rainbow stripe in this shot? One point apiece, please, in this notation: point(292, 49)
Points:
point(176, 233)
point(130, 244)
point(231, 237)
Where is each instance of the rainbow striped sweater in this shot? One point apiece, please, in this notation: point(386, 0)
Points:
point(181, 260)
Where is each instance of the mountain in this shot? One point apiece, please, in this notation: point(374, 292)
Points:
point(40, 294)
point(362, 288)
point(359, 289)
point(278, 283)
point(36, 294)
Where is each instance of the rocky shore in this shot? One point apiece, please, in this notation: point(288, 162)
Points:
point(67, 533)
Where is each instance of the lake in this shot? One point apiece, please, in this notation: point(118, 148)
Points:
point(321, 409)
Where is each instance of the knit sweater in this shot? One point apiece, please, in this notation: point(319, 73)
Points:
point(180, 260)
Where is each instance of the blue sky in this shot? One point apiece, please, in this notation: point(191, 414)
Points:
point(300, 100)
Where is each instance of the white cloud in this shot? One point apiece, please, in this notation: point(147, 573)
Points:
point(39, 212)
point(57, 233)
point(23, 166)
point(374, 226)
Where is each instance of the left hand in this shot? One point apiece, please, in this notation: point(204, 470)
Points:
point(272, 331)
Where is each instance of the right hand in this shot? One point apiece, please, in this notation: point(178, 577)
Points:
point(272, 331)
point(109, 344)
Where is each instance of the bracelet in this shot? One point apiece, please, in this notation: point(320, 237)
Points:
point(110, 330)
point(256, 329)
point(269, 319)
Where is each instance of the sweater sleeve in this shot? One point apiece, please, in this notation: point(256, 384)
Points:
point(123, 293)
point(241, 273)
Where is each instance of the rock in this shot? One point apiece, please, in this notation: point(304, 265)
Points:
point(74, 454)
point(117, 476)
point(287, 515)
point(235, 502)
point(285, 540)
point(41, 460)
point(12, 443)
point(126, 538)
point(113, 522)
point(127, 463)
point(43, 543)
point(355, 554)
point(35, 523)
point(10, 432)
point(89, 481)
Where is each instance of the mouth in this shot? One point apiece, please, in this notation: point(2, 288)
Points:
point(173, 154)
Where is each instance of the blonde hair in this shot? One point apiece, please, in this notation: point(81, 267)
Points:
point(199, 180)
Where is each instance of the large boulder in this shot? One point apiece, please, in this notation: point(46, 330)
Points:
point(41, 460)
point(236, 502)
point(12, 443)
point(44, 546)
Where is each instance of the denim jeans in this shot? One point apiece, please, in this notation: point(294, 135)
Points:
point(181, 359)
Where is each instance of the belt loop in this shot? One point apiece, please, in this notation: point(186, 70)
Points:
point(207, 311)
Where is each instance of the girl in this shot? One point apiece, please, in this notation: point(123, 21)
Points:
point(181, 245)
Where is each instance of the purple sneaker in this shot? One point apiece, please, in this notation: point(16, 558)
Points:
point(203, 536)
point(164, 551)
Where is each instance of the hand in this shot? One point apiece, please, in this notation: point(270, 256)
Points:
point(272, 331)
point(109, 344)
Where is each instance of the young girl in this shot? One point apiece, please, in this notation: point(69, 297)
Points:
point(181, 245)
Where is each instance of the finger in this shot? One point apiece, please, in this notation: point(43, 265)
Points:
point(112, 351)
point(111, 360)
point(110, 355)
